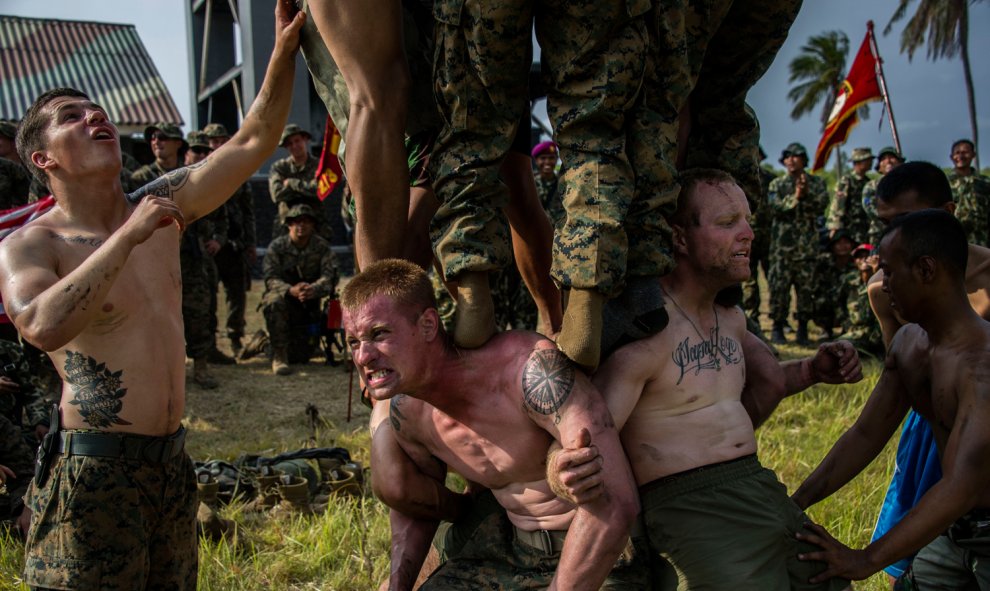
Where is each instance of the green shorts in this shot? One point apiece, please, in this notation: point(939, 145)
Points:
point(480, 551)
point(959, 559)
point(110, 523)
point(729, 526)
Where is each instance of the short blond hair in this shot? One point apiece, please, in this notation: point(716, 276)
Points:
point(403, 282)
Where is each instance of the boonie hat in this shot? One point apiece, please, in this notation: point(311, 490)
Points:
point(861, 154)
point(215, 130)
point(299, 210)
point(793, 149)
point(291, 130)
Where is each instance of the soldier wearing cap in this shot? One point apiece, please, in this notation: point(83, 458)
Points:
point(759, 253)
point(846, 210)
point(971, 192)
point(545, 158)
point(292, 180)
point(299, 271)
point(863, 330)
point(15, 180)
point(169, 148)
point(887, 160)
point(238, 254)
point(796, 200)
point(832, 289)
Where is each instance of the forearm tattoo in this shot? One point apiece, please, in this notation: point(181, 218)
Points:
point(97, 390)
point(395, 416)
point(165, 186)
point(547, 381)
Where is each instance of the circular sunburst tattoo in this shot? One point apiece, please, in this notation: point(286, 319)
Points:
point(547, 381)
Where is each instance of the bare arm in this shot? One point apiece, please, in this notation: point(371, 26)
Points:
point(202, 187)
point(48, 310)
point(562, 401)
point(859, 445)
point(880, 303)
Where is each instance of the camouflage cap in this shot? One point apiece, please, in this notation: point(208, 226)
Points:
point(169, 130)
point(291, 130)
point(215, 130)
point(299, 210)
point(8, 129)
point(861, 154)
point(888, 151)
point(794, 149)
point(197, 139)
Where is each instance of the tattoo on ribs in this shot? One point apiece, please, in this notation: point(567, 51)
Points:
point(395, 416)
point(97, 389)
point(547, 381)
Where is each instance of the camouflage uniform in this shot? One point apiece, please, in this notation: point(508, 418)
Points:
point(113, 524)
point(546, 190)
point(19, 414)
point(284, 266)
point(481, 72)
point(301, 189)
point(864, 330)
point(870, 207)
point(231, 261)
point(15, 181)
point(834, 287)
point(846, 210)
point(759, 251)
point(971, 193)
point(794, 245)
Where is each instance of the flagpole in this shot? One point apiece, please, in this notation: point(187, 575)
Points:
point(883, 86)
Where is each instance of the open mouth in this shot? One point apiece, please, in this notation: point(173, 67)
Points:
point(103, 134)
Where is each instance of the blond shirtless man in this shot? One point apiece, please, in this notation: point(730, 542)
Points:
point(709, 507)
point(96, 284)
point(938, 367)
point(490, 414)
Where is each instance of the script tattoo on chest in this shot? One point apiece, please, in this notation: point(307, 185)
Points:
point(84, 240)
point(709, 354)
point(395, 416)
point(97, 389)
point(547, 381)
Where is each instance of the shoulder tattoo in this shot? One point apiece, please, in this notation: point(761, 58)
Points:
point(395, 416)
point(97, 390)
point(547, 381)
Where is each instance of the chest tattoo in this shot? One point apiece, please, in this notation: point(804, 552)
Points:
point(97, 390)
point(708, 354)
point(547, 381)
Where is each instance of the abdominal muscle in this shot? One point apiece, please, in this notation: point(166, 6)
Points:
point(532, 506)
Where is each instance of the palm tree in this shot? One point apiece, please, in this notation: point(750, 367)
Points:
point(820, 69)
point(946, 24)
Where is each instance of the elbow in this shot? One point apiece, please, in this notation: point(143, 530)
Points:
point(47, 338)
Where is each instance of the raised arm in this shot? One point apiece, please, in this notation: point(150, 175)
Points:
point(204, 186)
point(561, 400)
point(880, 303)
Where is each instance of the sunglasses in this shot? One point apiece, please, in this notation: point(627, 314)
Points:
point(160, 137)
point(199, 150)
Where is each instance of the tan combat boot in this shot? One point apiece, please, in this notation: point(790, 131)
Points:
point(280, 361)
point(202, 376)
point(295, 496)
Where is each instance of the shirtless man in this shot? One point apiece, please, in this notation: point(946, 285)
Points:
point(95, 282)
point(938, 367)
point(709, 507)
point(912, 187)
point(532, 397)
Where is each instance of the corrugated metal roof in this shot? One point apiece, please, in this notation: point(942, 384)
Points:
point(106, 61)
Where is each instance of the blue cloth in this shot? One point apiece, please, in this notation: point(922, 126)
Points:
point(916, 469)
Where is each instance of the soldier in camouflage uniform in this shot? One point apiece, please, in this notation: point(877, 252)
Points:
point(238, 254)
point(832, 288)
point(796, 201)
point(299, 271)
point(846, 210)
point(292, 181)
point(971, 192)
point(863, 330)
point(24, 413)
point(759, 251)
point(545, 158)
point(888, 159)
point(15, 180)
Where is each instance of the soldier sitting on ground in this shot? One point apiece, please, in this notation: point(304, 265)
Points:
point(832, 290)
point(299, 271)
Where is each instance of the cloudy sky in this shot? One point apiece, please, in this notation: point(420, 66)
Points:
point(928, 97)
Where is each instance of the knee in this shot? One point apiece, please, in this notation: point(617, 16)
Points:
point(386, 93)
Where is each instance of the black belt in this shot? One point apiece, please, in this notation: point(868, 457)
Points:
point(121, 445)
point(549, 541)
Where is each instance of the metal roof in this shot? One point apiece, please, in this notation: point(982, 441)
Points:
point(106, 61)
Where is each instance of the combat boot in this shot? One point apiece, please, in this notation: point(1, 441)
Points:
point(280, 361)
point(777, 334)
point(219, 358)
point(208, 521)
point(256, 345)
point(236, 347)
point(294, 491)
point(267, 493)
point(802, 333)
point(202, 376)
point(346, 480)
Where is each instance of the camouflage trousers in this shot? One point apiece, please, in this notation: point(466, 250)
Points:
point(481, 72)
point(232, 272)
point(16, 454)
point(480, 551)
point(758, 256)
point(107, 523)
point(292, 324)
point(783, 274)
point(198, 303)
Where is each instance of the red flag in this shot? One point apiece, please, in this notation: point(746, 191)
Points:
point(328, 173)
point(861, 86)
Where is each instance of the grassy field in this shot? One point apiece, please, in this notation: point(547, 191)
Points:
point(347, 548)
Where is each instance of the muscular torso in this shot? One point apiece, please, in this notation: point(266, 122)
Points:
point(125, 370)
point(488, 437)
point(689, 413)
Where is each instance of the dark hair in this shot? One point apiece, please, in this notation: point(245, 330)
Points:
point(972, 146)
point(31, 132)
point(935, 233)
point(924, 178)
point(689, 179)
